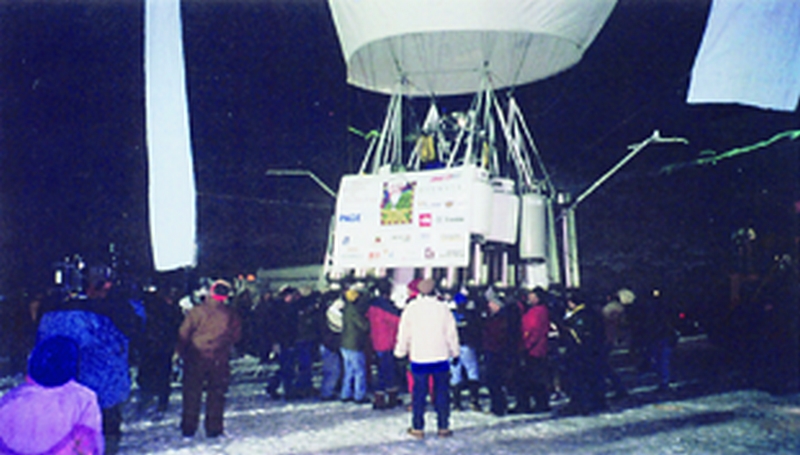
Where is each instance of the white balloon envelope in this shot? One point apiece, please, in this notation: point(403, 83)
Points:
point(448, 47)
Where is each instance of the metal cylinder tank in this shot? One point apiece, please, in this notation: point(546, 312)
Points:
point(505, 212)
point(533, 227)
point(481, 198)
point(477, 272)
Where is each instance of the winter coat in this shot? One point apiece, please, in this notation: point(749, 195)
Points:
point(283, 321)
point(427, 332)
point(308, 309)
point(535, 324)
point(50, 420)
point(585, 335)
point(355, 327)
point(383, 318)
point(211, 330)
point(613, 313)
point(330, 322)
point(468, 323)
point(263, 333)
point(161, 325)
point(501, 331)
point(103, 351)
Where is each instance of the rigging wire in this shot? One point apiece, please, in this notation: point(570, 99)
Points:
point(265, 201)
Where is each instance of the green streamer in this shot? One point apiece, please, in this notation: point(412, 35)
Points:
point(367, 136)
point(711, 157)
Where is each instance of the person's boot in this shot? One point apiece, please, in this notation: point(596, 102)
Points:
point(392, 400)
point(474, 395)
point(457, 397)
point(379, 401)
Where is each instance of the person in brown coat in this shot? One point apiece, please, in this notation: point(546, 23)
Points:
point(205, 339)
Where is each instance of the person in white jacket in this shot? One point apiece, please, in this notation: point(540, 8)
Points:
point(428, 336)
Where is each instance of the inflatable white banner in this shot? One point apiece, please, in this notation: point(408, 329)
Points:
point(750, 54)
point(172, 197)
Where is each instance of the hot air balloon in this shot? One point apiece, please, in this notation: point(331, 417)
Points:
point(469, 201)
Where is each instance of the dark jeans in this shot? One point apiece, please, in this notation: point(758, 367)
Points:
point(155, 371)
point(295, 370)
point(286, 373)
point(303, 353)
point(608, 372)
point(441, 399)
point(214, 374)
point(386, 371)
point(112, 428)
point(660, 355)
point(112, 420)
point(534, 380)
point(586, 386)
point(497, 364)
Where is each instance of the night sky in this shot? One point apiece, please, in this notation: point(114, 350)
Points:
point(267, 90)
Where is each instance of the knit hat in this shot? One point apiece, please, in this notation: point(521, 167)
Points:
point(493, 297)
point(351, 295)
point(305, 291)
point(220, 290)
point(54, 361)
point(426, 286)
point(626, 296)
point(413, 288)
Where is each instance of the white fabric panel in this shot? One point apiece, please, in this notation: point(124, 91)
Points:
point(170, 169)
point(750, 54)
point(441, 46)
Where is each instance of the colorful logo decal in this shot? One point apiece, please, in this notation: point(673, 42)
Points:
point(425, 220)
point(397, 202)
point(350, 217)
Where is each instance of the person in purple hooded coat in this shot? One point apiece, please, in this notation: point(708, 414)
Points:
point(51, 413)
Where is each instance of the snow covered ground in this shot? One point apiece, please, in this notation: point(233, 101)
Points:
point(703, 415)
point(746, 422)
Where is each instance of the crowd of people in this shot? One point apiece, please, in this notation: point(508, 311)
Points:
point(375, 342)
point(524, 346)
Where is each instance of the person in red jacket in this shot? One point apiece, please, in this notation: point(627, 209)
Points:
point(534, 325)
point(384, 317)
